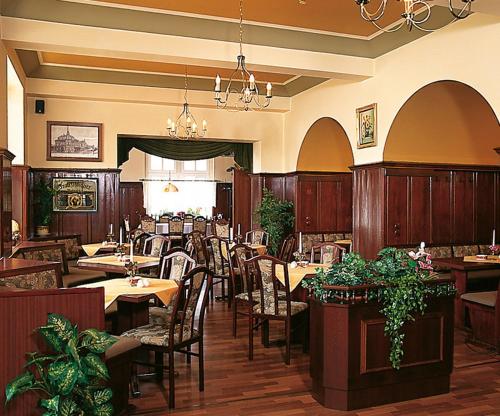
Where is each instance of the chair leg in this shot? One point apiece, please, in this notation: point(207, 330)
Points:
point(188, 356)
point(159, 366)
point(223, 284)
point(265, 333)
point(229, 294)
point(134, 382)
point(171, 380)
point(201, 364)
point(250, 337)
point(288, 341)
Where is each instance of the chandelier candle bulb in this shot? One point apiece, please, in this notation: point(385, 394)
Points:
point(204, 125)
point(217, 83)
point(121, 235)
point(239, 229)
point(269, 90)
point(194, 127)
point(252, 82)
point(131, 251)
point(493, 241)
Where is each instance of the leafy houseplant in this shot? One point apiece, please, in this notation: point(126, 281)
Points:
point(70, 381)
point(396, 279)
point(43, 199)
point(276, 218)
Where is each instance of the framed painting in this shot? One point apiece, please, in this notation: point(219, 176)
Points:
point(367, 126)
point(74, 141)
point(74, 195)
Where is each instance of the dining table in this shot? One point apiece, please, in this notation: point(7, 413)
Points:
point(104, 247)
point(461, 269)
point(115, 264)
point(295, 277)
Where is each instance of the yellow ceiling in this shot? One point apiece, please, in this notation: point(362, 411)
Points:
point(154, 67)
point(339, 16)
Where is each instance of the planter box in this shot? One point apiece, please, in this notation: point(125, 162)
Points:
point(349, 352)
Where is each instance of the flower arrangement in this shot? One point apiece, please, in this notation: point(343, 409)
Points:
point(495, 249)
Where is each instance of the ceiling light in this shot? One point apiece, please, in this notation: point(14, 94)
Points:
point(241, 96)
point(416, 13)
point(185, 126)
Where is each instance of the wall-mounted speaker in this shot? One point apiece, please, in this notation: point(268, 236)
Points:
point(40, 106)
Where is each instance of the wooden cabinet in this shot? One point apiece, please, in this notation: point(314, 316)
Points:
point(307, 205)
point(463, 207)
point(419, 222)
point(397, 210)
point(6, 202)
point(441, 209)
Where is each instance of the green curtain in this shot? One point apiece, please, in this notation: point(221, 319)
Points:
point(186, 150)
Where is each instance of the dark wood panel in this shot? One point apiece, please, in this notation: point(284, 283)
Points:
point(441, 209)
point(132, 202)
point(242, 211)
point(397, 210)
point(20, 198)
point(344, 214)
point(307, 209)
point(224, 200)
point(486, 189)
point(463, 207)
point(329, 196)
point(420, 209)
point(6, 158)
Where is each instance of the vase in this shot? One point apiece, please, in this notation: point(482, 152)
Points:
point(42, 230)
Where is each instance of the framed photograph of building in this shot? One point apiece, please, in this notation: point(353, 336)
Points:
point(367, 126)
point(74, 141)
point(74, 195)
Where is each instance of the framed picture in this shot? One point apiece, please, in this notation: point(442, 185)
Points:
point(367, 126)
point(74, 195)
point(74, 141)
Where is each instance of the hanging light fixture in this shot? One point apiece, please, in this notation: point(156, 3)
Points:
point(170, 187)
point(185, 126)
point(416, 13)
point(246, 93)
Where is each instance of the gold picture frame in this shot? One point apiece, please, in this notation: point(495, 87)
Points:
point(75, 194)
point(366, 126)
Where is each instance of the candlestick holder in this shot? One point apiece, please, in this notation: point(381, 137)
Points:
point(132, 278)
point(110, 238)
point(238, 239)
point(120, 249)
point(301, 258)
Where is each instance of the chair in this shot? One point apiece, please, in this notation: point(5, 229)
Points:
point(176, 229)
point(148, 224)
point(221, 228)
point(200, 248)
point(257, 237)
point(328, 253)
point(139, 237)
point(200, 224)
point(218, 252)
point(269, 304)
point(156, 245)
point(188, 218)
point(184, 329)
point(164, 219)
point(287, 249)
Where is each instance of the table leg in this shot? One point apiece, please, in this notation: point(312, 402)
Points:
point(461, 286)
point(131, 315)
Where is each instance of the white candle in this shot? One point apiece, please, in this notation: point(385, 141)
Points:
point(300, 242)
point(121, 235)
point(131, 251)
point(269, 90)
point(493, 242)
point(111, 228)
point(231, 234)
point(239, 229)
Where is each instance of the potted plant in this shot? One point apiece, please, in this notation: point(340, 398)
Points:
point(276, 218)
point(71, 380)
point(43, 200)
point(381, 330)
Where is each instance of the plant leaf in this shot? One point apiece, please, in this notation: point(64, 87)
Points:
point(63, 376)
point(68, 408)
point(102, 396)
point(97, 341)
point(93, 366)
point(72, 351)
point(51, 338)
point(104, 410)
point(61, 326)
point(19, 385)
point(51, 404)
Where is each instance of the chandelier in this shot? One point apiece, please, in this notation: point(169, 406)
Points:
point(246, 93)
point(416, 13)
point(185, 126)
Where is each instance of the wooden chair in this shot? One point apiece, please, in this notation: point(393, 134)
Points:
point(156, 245)
point(200, 224)
point(218, 263)
point(257, 237)
point(287, 249)
point(327, 253)
point(139, 237)
point(164, 219)
point(483, 310)
point(184, 329)
point(176, 229)
point(148, 224)
point(188, 218)
point(200, 248)
point(270, 305)
point(221, 228)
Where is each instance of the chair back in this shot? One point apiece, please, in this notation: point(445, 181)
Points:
point(175, 264)
point(261, 274)
point(218, 254)
point(176, 226)
point(156, 245)
point(256, 237)
point(164, 219)
point(185, 322)
point(287, 249)
point(138, 237)
point(188, 218)
point(221, 228)
point(328, 253)
point(148, 224)
point(200, 248)
point(200, 224)
point(238, 254)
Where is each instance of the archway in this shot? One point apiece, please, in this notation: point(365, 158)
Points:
point(444, 122)
point(325, 148)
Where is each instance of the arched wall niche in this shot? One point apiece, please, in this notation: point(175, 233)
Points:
point(444, 122)
point(325, 148)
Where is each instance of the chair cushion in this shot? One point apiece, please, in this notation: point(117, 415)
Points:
point(159, 315)
point(296, 307)
point(77, 277)
point(438, 252)
point(256, 295)
point(157, 335)
point(461, 251)
point(482, 298)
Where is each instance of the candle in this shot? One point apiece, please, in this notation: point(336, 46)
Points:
point(231, 234)
point(204, 124)
point(121, 235)
point(239, 229)
point(493, 242)
point(269, 90)
point(252, 82)
point(217, 83)
point(131, 251)
point(300, 242)
point(111, 228)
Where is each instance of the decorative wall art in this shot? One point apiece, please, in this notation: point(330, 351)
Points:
point(74, 141)
point(75, 195)
point(367, 126)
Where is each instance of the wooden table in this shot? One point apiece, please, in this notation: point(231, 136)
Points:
point(296, 275)
point(459, 272)
point(112, 264)
point(94, 248)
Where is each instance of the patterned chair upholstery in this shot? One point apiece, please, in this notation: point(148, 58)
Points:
point(332, 237)
point(156, 245)
point(148, 224)
point(184, 328)
point(200, 224)
point(257, 237)
point(310, 240)
point(217, 250)
point(72, 247)
point(484, 249)
point(461, 251)
point(164, 219)
point(439, 252)
point(176, 228)
point(327, 253)
point(200, 249)
point(43, 279)
point(221, 228)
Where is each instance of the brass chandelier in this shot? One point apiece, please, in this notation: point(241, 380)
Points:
point(185, 126)
point(416, 13)
point(240, 97)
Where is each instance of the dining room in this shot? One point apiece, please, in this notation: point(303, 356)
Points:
point(244, 208)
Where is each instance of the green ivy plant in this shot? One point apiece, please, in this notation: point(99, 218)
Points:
point(276, 218)
point(70, 381)
point(43, 200)
point(401, 288)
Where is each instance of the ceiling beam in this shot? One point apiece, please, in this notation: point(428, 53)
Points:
point(75, 39)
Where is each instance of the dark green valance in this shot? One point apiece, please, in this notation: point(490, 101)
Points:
point(186, 150)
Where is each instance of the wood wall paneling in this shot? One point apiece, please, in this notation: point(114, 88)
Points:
point(397, 210)
point(307, 209)
point(463, 207)
point(487, 187)
point(132, 202)
point(441, 209)
point(329, 192)
point(20, 198)
point(224, 200)
point(242, 196)
point(6, 158)
point(420, 205)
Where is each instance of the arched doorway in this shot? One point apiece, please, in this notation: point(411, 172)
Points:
point(444, 122)
point(325, 148)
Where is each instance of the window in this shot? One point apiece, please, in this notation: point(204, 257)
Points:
point(160, 164)
point(195, 166)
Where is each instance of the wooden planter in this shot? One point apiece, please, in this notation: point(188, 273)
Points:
point(349, 352)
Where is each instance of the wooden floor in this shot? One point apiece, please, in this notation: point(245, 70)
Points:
point(266, 386)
